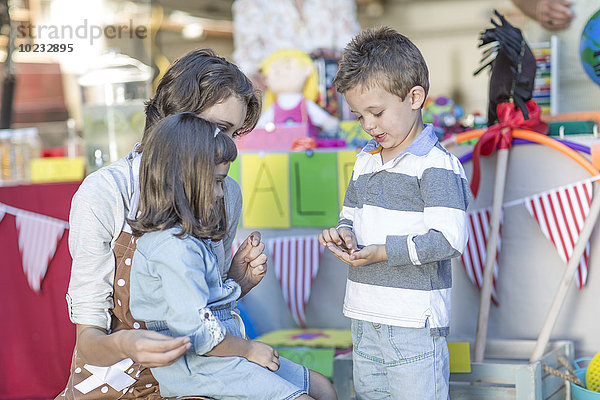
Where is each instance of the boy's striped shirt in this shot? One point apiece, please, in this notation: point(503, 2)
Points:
point(415, 205)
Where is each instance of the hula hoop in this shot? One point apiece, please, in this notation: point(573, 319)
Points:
point(537, 138)
point(575, 146)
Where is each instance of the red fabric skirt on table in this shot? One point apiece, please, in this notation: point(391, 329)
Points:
point(37, 338)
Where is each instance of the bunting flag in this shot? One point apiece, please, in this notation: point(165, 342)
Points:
point(295, 260)
point(38, 237)
point(560, 214)
point(473, 258)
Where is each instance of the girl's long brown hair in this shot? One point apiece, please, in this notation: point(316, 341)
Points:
point(177, 177)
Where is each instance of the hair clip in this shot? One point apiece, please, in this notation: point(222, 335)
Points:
point(217, 131)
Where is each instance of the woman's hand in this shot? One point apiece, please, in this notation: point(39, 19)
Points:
point(263, 355)
point(249, 264)
point(554, 15)
point(148, 348)
point(152, 349)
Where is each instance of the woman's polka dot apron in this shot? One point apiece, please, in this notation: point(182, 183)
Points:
point(126, 379)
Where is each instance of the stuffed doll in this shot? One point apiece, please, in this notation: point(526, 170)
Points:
point(291, 81)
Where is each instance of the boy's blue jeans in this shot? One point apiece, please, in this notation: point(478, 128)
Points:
point(391, 362)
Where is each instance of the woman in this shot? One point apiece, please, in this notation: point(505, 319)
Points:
point(101, 244)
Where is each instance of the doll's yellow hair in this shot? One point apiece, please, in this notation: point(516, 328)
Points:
point(310, 86)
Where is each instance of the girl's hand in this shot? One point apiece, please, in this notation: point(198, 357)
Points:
point(263, 355)
point(151, 349)
point(249, 264)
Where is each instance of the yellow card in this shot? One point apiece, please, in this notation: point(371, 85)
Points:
point(460, 357)
point(345, 163)
point(57, 169)
point(266, 190)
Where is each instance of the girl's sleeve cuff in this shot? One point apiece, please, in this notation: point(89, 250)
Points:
point(209, 335)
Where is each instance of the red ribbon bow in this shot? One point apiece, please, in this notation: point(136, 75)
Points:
point(499, 136)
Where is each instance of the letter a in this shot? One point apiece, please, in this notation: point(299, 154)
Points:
point(263, 170)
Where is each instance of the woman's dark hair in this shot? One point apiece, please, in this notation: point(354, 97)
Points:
point(199, 80)
point(177, 177)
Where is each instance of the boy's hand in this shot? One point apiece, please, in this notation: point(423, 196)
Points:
point(343, 238)
point(367, 255)
point(263, 355)
point(249, 265)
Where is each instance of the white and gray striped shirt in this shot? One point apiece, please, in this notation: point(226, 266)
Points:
point(416, 205)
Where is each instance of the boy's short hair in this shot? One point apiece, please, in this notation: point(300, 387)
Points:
point(383, 57)
point(197, 81)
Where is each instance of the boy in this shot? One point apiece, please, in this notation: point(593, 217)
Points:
point(405, 204)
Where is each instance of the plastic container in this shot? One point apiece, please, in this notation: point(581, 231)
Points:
point(17, 148)
point(18, 156)
point(578, 392)
point(30, 150)
point(5, 156)
point(74, 144)
point(113, 95)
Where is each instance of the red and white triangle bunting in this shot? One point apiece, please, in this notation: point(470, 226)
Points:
point(473, 258)
point(38, 237)
point(295, 261)
point(560, 214)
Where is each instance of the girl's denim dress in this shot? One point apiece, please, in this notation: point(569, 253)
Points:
point(176, 288)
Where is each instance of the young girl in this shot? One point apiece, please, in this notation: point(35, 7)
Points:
point(176, 286)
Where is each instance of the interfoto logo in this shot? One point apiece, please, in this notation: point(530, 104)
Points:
point(82, 30)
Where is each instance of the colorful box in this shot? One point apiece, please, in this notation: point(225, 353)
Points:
point(280, 137)
point(57, 169)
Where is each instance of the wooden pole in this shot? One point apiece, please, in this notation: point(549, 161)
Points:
point(490, 255)
point(561, 292)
